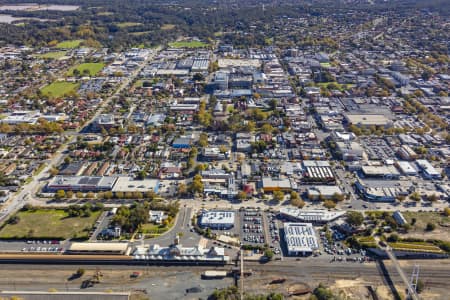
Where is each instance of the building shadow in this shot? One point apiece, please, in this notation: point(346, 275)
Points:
point(387, 279)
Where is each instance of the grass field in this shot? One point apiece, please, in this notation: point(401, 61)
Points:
point(139, 33)
point(59, 88)
point(93, 68)
point(168, 27)
point(127, 24)
point(52, 55)
point(422, 218)
point(367, 241)
point(191, 44)
point(69, 44)
point(105, 13)
point(416, 247)
point(341, 87)
point(48, 224)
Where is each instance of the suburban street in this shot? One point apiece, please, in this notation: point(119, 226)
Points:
point(27, 192)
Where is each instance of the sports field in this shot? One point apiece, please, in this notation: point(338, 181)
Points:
point(69, 44)
point(59, 89)
point(90, 69)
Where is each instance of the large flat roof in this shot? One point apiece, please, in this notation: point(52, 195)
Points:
point(116, 247)
point(300, 237)
point(367, 119)
point(217, 217)
point(276, 183)
point(128, 184)
point(87, 181)
point(311, 215)
point(226, 62)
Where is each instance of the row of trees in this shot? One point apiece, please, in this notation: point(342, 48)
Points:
point(61, 194)
point(42, 126)
point(130, 218)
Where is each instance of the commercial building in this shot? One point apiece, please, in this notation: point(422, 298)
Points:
point(385, 172)
point(105, 121)
point(317, 171)
point(182, 143)
point(428, 171)
point(407, 153)
point(317, 216)
point(300, 239)
point(217, 219)
point(406, 168)
point(367, 119)
point(221, 80)
point(272, 185)
point(128, 184)
point(212, 153)
point(81, 183)
point(350, 151)
point(326, 191)
point(399, 218)
point(381, 191)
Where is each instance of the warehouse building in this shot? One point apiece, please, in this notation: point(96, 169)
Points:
point(367, 119)
point(326, 191)
point(217, 219)
point(81, 183)
point(271, 185)
point(406, 168)
point(300, 239)
point(428, 171)
point(382, 191)
point(385, 172)
point(399, 218)
point(317, 171)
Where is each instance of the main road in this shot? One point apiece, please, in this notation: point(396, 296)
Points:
point(27, 191)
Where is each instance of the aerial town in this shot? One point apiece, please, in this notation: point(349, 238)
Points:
point(313, 166)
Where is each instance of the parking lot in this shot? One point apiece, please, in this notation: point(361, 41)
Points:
point(52, 246)
point(335, 249)
point(252, 228)
point(273, 230)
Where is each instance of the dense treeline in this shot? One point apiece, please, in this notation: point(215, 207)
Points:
point(100, 20)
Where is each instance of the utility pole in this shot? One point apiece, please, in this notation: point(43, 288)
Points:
point(413, 282)
point(242, 274)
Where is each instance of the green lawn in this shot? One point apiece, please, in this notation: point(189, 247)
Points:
point(49, 224)
point(191, 44)
point(69, 44)
point(93, 68)
point(52, 55)
point(340, 87)
point(155, 229)
point(59, 89)
point(127, 24)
